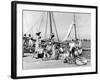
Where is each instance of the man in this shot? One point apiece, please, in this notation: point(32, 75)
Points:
point(53, 56)
point(52, 37)
point(30, 43)
point(37, 43)
point(25, 40)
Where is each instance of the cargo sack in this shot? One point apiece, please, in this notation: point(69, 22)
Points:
point(81, 61)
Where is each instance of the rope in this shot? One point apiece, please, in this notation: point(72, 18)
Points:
point(78, 32)
point(69, 32)
point(46, 26)
point(34, 24)
point(41, 21)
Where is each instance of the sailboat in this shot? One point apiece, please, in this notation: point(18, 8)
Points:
point(52, 25)
point(51, 19)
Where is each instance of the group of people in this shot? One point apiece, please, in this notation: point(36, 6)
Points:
point(49, 49)
point(28, 43)
point(74, 54)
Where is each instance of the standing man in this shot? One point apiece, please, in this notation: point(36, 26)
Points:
point(30, 43)
point(25, 41)
point(53, 46)
point(38, 42)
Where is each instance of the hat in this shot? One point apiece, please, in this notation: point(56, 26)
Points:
point(29, 35)
point(52, 35)
point(38, 33)
point(24, 34)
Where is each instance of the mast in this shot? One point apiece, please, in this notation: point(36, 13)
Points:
point(75, 27)
point(55, 27)
point(50, 22)
point(46, 26)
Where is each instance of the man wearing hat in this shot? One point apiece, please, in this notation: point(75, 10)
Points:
point(38, 41)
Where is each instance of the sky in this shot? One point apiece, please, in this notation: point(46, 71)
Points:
point(34, 21)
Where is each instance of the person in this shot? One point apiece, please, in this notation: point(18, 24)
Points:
point(79, 46)
point(52, 38)
point(38, 42)
point(24, 37)
point(24, 43)
point(53, 56)
point(30, 43)
point(75, 55)
point(25, 40)
point(71, 53)
point(40, 53)
point(48, 50)
point(61, 48)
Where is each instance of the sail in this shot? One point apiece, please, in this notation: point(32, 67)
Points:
point(69, 31)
